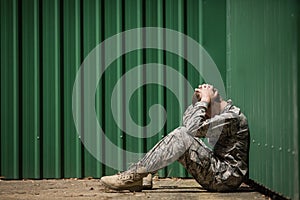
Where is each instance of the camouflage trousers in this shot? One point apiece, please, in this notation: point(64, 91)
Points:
point(195, 156)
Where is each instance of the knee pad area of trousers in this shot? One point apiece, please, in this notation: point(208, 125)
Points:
point(180, 133)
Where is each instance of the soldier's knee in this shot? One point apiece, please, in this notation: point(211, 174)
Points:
point(181, 132)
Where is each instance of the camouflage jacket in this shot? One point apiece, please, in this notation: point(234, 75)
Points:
point(227, 133)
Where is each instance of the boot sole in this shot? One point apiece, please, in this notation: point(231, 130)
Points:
point(147, 187)
point(131, 189)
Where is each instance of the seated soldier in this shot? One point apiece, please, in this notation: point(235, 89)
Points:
point(219, 165)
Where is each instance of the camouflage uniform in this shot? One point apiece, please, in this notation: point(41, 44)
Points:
point(221, 167)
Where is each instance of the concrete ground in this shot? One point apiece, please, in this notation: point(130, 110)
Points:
point(93, 189)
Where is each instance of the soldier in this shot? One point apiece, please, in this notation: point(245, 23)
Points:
point(219, 165)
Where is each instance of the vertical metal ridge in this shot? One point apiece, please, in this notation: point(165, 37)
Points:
point(57, 91)
point(119, 140)
point(20, 83)
point(62, 89)
point(228, 46)
point(161, 59)
point(30, 87)
point(113, 25)
point(142, 90)
point(9, 91)
point(37, 106)
point(297, 122)
point(1, 92)
point(133, 19)
point(41, 86)
point(79, 108)
point(91, 38)
point(72, 145)
point(51, 89)
point(15, 100)
point(99, 39)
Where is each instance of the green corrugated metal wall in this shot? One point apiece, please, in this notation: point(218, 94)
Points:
point(255, 45)
point(263, 78)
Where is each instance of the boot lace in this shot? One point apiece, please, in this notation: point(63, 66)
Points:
point(129, 177)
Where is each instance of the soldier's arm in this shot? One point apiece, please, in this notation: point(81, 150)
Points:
point(226, 123)
point(195, 116)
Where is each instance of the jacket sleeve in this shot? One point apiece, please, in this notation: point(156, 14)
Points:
point(194, 116)
point(225, 123)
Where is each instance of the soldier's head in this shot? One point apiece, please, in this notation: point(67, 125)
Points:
point(207, 92)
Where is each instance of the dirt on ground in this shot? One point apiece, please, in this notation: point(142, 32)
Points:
point(93, 189)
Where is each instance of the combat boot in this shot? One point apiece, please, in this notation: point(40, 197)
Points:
point(124, 181)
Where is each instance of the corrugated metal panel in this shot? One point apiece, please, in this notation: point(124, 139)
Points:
point(154, 94)
point(174, 19)
point(114, 22)
point(51, 90)
point(92, 35)
point(70, 19)
point(42, 46)
point(44, 42)
point(30, 79)
point(10, 124)
point(263, 65)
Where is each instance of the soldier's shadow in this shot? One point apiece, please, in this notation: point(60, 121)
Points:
point(182, 189)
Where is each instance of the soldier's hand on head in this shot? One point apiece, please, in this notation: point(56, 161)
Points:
point(206, 92)
point(196, 97)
